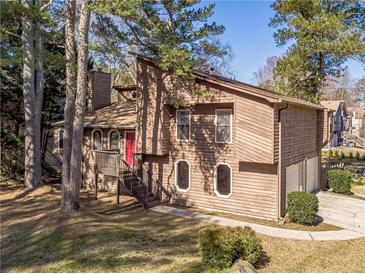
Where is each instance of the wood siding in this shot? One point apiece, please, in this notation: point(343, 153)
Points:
point(298, 141)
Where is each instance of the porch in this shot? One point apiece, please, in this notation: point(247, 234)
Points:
point(131, 176)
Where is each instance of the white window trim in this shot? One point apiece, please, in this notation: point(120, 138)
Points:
point(59, 138)
point(92, 139)
point(215, 125)
point(180, 110)
point(109, 139)
point(177, 186)
point(216, 177)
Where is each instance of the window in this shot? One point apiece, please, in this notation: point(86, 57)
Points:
point(223, 126)
point(60, 139)
point(223, 181)
point(182, 175)
point(182, 124)
point(97, 139)
point(114, 139)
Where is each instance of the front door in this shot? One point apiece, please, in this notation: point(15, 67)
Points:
point(130, 145)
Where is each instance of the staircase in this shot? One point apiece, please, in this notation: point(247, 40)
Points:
point(358, 141)
point(137, 187)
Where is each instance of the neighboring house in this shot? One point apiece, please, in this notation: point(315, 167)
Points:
point(340, 121)
point(358, 121)
point(241, 149)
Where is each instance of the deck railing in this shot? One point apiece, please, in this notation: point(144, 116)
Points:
point(110, 163)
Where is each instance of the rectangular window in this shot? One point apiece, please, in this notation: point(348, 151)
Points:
point(60, 140)
point(223, 126)
point(182, 124)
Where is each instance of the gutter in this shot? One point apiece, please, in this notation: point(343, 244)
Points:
point(279, 163)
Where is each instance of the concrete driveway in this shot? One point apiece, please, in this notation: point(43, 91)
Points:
point(342, 211)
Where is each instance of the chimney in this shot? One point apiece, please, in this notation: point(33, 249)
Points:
point(99, 94)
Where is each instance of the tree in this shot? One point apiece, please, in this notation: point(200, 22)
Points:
point(71, 191)
point(358, 92)
point(338, 88)
point(69, 109)
point(176, 33)
point(264, 77)
point(322, 35)
point(11, 63)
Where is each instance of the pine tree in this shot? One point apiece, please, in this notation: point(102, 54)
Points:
point(322, 35)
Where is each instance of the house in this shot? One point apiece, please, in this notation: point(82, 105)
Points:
point(240, 149)
point(357, 121)
point(340, 121)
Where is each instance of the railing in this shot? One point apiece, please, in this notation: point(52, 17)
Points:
point(154, 185)
point(356, 139)
point(107, 162)
point(137, 178)
point(127, 170)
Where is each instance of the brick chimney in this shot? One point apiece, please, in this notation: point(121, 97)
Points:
point(99, 94)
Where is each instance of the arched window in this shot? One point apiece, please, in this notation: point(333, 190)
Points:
point(96, 139)
point(182, 175)
point(223, 180)
point(114, 139)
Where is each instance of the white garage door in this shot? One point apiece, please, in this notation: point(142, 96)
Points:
point(312, 174)
point(293, 177)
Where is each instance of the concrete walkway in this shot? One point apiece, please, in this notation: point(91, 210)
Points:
point(344, 234)
point(342, 211)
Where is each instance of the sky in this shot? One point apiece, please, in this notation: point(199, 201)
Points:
point(251, 39)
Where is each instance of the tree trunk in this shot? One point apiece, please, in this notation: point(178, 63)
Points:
point(70, 103)
point(38, 100)
point(78, 123)
point(31, 174)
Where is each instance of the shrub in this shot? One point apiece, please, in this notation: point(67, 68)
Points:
point(343, 155)
point(302, 207)
point(357, 155)
point(351, 155)
point(340, 180)
point(330, 153)
point(222, 246)
point(336, 153)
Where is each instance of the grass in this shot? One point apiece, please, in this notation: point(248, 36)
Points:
point(318, 226)
point(101, 237)
point(358, 188)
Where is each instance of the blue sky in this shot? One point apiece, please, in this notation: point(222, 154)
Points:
point(251, 38)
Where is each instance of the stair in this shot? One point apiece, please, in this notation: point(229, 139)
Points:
point(358, 141)
point(138, 189)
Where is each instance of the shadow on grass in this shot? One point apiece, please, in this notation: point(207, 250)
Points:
point(101, 237)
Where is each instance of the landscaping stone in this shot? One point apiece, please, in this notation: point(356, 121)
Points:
point(242, 266)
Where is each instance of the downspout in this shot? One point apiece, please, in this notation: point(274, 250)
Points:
point(279, 164)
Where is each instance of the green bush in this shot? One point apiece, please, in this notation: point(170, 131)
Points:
point(222, 246)
point(340, 180)
point(302, 207)
point(330, 153)
point(351, 155)
point(336, 153)
point(357, 155)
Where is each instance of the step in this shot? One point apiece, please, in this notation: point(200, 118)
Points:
point(153, 204)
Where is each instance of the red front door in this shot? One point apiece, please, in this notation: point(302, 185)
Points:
point(130, 145)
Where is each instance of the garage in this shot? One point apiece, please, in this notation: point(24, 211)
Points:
point(312, 174)
point(302, 176)
point(294, 178)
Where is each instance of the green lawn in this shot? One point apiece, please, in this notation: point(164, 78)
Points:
point(36, 237)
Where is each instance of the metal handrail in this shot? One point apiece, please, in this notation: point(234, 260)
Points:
point(160, 187)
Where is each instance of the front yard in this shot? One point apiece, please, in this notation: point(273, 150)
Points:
point(36, 237)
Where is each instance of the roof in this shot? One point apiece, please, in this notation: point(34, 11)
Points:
point(243, 87)
point(359, 112)
point(332, 105)
point(118, 115)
